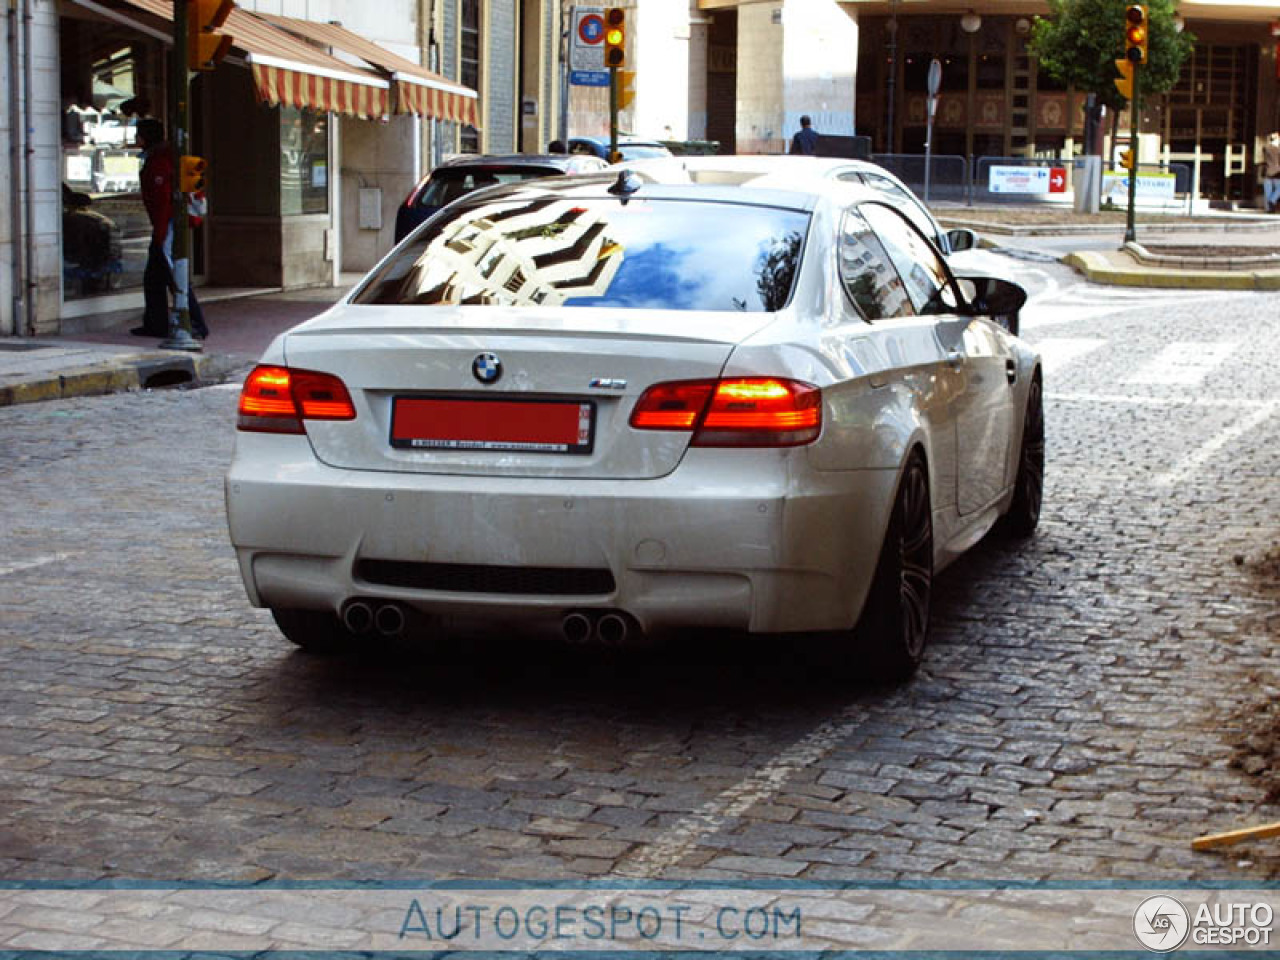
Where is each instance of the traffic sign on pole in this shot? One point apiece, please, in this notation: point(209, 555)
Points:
point(586, 48)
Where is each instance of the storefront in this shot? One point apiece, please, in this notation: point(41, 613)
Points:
point(274, 120)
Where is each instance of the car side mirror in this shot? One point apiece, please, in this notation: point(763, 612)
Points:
point(998, 299)
point(961, 239)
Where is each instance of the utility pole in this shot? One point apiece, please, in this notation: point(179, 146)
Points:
point(180, 337)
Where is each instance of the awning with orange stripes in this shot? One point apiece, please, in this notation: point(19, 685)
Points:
point(290, 72)
point(417, 89)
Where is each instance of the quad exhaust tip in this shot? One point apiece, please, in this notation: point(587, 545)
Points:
point(361, 617)
point(610, 629)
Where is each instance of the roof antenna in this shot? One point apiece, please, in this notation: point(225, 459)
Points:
point(626, 184)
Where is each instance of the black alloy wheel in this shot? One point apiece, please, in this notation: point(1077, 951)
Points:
point(895, 623)
point(1028, 492)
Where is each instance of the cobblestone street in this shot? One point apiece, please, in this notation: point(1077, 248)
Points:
point(1076, 718)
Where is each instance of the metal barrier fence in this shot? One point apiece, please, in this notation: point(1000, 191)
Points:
point(1008, 179)
point(948, 175)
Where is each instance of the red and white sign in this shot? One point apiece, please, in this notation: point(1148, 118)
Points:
point(1058, 180)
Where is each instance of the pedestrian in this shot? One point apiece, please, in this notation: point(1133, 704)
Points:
point(805, 142)
point(157, 181)
point(1271, 172)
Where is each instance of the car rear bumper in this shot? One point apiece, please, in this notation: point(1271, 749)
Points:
point(732, 538)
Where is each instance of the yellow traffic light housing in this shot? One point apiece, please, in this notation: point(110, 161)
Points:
point(1124, 82)
point(1126, 159)
point(1135, 33)
point(191, 172)
point(626, 88)
point(206, 47)
point(615, 37)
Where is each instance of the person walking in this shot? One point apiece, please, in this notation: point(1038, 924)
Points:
point(1271, 172)
point(156, 179)
point(805, 142)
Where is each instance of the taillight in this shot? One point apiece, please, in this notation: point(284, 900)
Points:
point(738, 412)
point(278, 399)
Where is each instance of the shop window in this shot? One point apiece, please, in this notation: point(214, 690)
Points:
point(304, 161)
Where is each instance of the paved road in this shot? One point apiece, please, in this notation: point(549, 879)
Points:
point(1075, 720)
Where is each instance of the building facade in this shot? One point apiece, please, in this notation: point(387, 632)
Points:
point(315, 128)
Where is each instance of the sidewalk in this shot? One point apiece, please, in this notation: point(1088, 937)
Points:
point(112, 359)
point(1222, 251)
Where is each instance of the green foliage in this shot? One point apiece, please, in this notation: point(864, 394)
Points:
point(1080, 41)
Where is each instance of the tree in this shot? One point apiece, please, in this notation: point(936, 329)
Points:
point(1080, 41)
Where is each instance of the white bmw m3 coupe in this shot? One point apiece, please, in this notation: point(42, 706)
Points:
point(625, 407)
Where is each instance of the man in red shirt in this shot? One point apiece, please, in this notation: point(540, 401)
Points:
point(156, 179)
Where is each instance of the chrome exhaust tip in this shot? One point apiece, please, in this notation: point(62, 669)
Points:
point(576, 628)
point(357, 617)
point(389, 620)
point(612, 629)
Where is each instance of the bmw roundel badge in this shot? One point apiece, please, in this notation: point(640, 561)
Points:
point(487, 368)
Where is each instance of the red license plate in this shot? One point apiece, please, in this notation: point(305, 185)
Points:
point(531, 426)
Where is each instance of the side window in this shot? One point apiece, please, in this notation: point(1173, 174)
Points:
point(905, 201)
point(850, 176)
point(871, 282)
point(922, 270)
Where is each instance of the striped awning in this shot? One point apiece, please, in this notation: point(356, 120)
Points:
point(288, 71)
point(417, 89)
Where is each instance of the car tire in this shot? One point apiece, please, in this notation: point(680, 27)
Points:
point(1028, 487)
point(894, 625)
point(312, 630)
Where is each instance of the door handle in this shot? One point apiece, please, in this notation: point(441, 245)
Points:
point(1011, 371)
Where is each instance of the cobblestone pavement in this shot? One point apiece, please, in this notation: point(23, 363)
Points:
point(1074, 720)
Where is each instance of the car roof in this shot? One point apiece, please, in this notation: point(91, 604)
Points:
point(795, 193)
point(622, 138)
point(741, 168)
point(558, 161)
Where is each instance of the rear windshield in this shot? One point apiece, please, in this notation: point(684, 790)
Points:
point(560, 251)
point(447, 185)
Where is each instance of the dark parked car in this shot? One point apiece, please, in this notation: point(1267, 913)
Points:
point(459, 176)
point(631, 148)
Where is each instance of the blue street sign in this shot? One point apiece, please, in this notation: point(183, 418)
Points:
point(589, 78)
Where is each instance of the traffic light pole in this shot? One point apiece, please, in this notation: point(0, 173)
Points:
point(613, 114)
point(1130, 227)
point(180, 337)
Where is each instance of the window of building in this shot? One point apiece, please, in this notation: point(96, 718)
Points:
point(470, 67)
point(304, 162)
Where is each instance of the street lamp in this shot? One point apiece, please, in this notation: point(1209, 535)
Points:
point(971, 22)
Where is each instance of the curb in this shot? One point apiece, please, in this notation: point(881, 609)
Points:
point(143, 371)
point(1088, 229)
point(1097, 268)
point(1182, 262)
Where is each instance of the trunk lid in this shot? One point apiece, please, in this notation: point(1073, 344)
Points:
point(595, 359)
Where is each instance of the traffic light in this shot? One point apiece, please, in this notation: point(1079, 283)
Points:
point(1126, 159)
point(1135, 33)
point(1124, 82)
point(626, 88)
point(615, 37)
point(191, 174)
point(205, 45)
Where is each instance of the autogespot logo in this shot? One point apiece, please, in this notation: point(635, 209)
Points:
point(1161, 924)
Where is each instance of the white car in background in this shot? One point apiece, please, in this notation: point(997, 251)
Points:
point(625, 407)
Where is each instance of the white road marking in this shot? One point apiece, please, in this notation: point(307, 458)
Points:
point(8, 568)
point(1057, 352)
point(681, 839)
point(1198, 458)
point(1185, 363)
point(1207, 402)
